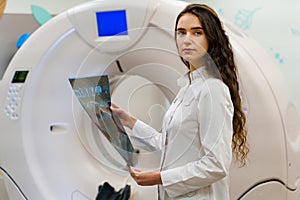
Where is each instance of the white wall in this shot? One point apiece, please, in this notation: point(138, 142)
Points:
point(275, 24)
point(52, 6)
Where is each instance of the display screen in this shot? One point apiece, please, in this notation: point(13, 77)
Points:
point(19, 77)
point(112, 23)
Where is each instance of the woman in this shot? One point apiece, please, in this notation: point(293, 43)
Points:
point(205, 122)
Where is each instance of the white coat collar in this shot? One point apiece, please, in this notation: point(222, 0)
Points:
point(190, 77)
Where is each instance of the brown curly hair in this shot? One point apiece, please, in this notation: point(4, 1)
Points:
point(221, 56)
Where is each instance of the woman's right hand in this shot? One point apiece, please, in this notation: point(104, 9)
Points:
point(125, 118)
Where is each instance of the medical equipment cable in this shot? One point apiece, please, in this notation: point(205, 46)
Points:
point(14, 182)
point(264, 182)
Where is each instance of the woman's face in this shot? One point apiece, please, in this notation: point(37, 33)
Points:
point(191, 40)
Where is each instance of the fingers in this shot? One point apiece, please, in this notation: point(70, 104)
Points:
point(128, 168)
point(133, 172)
point(145, 178)
point(115, 108)
point(125, 118)
point(114, 105)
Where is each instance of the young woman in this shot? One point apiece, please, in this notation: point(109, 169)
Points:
point(205, 122)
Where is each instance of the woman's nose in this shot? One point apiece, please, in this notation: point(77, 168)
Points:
point(187, 38)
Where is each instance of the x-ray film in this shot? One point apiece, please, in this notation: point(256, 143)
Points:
point(93, 94)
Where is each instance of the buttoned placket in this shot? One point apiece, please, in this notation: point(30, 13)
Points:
point(191, 77)
point(166, 139)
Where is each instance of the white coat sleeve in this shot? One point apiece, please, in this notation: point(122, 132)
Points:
point(215, 132)
point(146, 137)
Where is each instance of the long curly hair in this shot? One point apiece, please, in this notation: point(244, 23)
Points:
point(221, 56)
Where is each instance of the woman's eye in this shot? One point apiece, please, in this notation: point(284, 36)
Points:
point(180, 33)
point(198, 33)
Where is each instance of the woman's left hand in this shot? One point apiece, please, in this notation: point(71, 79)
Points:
point(145, 178)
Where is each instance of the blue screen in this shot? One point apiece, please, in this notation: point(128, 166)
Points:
point(111, 23)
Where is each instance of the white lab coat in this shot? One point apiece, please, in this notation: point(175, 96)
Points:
point(195, 140)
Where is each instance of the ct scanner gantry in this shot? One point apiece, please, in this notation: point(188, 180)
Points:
point(49, 149)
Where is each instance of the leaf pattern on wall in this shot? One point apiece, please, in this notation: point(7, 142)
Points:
point(243, 18)
point(295, 32)
point(40, 14)
point(277, 56)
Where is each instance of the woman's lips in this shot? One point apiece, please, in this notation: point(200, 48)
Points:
point(188, 50)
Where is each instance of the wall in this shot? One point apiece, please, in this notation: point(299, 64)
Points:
point(275, 24)
point(18, 20)
point(53, 6)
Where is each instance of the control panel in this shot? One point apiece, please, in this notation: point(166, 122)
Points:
point(13, 96)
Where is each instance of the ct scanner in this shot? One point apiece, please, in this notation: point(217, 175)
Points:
point(49, 149)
